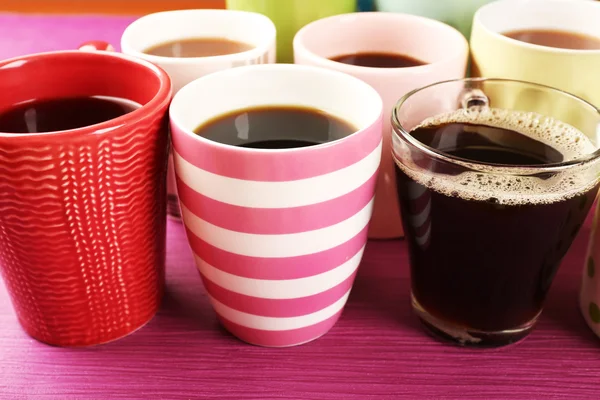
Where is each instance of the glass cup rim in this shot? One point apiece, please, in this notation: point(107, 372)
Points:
point(398, 131)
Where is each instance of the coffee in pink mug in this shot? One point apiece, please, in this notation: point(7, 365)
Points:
point(394, 53)
point(277, 233)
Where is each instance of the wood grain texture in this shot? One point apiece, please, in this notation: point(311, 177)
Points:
point(376, 350)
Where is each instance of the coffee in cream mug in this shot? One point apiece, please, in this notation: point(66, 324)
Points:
point(574, 70)
point(252, 32)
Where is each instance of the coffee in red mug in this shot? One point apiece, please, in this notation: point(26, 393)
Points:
point(83, 161)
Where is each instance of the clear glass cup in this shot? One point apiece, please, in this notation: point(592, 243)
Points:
point(489, 214)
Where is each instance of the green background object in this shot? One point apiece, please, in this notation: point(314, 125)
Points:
point(291, 15)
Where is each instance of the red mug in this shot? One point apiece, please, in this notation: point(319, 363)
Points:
point(82, 211)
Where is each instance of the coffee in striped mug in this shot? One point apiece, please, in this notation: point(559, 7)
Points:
point(276, 168)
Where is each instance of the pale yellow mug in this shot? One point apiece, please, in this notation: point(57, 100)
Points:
point(497, 56)
point(575, 71)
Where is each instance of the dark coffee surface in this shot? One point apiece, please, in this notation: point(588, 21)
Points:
point(479, 263)
point(556, 38)
point(487, 144)
point(379, 60)
point(198, 47)
point(275, 127)
point(62, 114)
point(278, 144)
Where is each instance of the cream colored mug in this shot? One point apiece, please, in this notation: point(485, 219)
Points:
point(162, 27)
point(497, 56)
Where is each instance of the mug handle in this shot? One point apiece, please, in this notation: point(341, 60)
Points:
point(96, 45)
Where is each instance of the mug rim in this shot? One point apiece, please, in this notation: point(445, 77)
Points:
point(399, 132)
point(254, 52)
point(299, 44)
point(274, 67)
point(477, 20)
point(161, 98)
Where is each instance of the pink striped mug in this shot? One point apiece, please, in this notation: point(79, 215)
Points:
point(277, 234)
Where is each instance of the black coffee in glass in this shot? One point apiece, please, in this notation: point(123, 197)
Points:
point(485, 246)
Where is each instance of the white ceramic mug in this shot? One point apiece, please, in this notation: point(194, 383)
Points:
point(158, 28)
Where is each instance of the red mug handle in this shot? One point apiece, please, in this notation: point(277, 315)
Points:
point(96, 45)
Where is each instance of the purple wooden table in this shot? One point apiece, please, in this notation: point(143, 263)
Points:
point(376, 350)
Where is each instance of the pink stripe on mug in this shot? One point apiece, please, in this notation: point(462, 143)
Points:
point(276, 220)
point(282, 308)
point(277, 268)
point(281, 273)
point(216, 160)
point(280, 338)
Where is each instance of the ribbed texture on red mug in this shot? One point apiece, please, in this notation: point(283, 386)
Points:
point(278, 237)
point(83, 228)
point(82, 213)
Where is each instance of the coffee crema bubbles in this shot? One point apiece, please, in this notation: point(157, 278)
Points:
point(505, 183)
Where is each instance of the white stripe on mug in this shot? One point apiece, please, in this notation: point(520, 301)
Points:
point(285, 245)
point(281, 289)
point(275, 323)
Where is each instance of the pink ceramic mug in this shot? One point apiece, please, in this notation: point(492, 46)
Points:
point(277, 234)
point(442, 47)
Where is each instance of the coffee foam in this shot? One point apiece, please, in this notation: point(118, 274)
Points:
point(496, 183)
